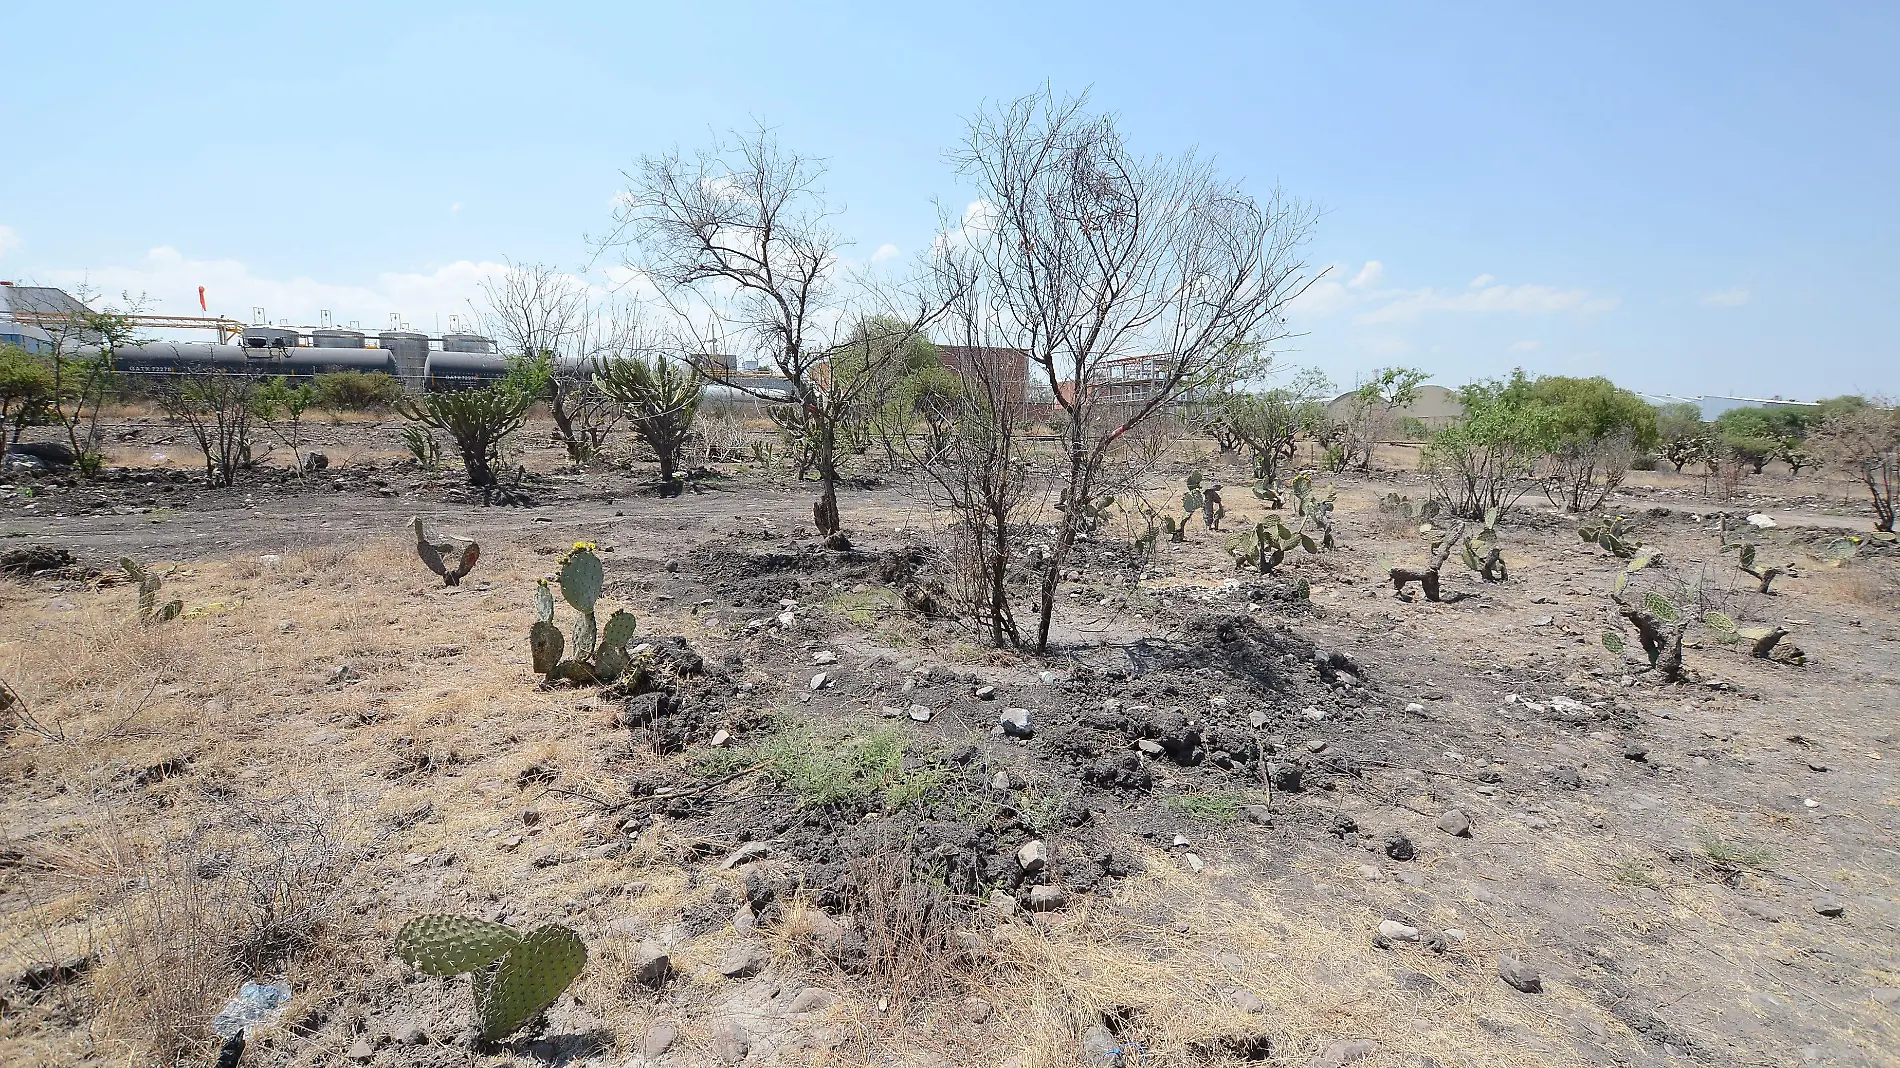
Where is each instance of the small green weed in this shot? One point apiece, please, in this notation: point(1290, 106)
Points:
point(863, 608)
point(1634, 873)
point(829, 770)
point(1218, 805)
point(1734, 854)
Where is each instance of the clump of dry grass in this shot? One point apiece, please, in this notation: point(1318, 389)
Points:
point(255, 894)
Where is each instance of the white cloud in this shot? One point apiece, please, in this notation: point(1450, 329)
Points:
point(1521, 299)
point(170, 282)
point(1483, 280)
point(884, 252)
point(1727, 298)
point(9, 239)
point(455, 208)
point(1368, 274)
point(1526, 346)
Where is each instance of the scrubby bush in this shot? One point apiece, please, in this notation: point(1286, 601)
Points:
point(1865, 443)
point(1597, 430)
point(357, 391)
point(1488, 459)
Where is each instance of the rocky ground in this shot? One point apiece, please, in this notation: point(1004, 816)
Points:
point(1287, 819)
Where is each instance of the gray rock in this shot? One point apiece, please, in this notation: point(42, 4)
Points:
point(1100, 1048)
point(1397, 932)
point(1016, 723)
point(1455, 823)
point(1150, 747)
point(741, 962)
point(1399, 847)
point(1886, 995)
point(361, 1050)
point(651, 965)
point(1339, 1054)
point(1761, 910)
point(1247, 1001)
point(986, 693)
point(1000, 783)
point(1830, 906)
point(824, 656)
point(1258, 718)
point(921, 713)
point(746, 854)
point(406, 1032)
point(730, 1043)
point(1003, 902)
point(810, 999)
point(1033, 856)
point(1259, 815)
point(1636, 751)
point(1519, 974)
point(343, 673)
point(821, 680)
point(660, 1038)
point(1046, 898)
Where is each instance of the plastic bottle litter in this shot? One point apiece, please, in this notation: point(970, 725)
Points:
point(254, 1004)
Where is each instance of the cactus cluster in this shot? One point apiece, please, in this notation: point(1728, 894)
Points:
point(1480, 551)
point(596, 653)
point(1417, 511)
point(150, 610)
point(1090, 514)
point(433, 553)
point(1314, 510)
point(1746, 560)
point(1613, 534)
point(1202, 498)
point(1264, 545)
point(515, 976)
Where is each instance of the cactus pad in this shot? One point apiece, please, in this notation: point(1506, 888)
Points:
point(449, 945)
point(545, 641)
point(529, 978)
point(581, 578)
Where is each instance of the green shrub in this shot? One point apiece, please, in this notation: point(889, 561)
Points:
point(357, 391)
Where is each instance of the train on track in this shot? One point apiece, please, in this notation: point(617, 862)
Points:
point(465, 361)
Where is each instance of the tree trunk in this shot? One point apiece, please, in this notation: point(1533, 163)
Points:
point(825, 512)
point(1065, 534)
point(666, 463)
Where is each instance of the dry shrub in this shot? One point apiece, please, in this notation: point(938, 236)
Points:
point(913, 931)
point(1853, 585)
point(253, 894)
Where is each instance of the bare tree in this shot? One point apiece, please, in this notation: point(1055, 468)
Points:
point(218, 408)
point(1094, 257)
point(971, 462)
point(538, 313)
point(737, 239)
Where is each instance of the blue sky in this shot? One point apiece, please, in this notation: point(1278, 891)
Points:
point(1696, 200)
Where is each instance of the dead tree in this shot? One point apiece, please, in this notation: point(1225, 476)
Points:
point(737, 240)
point(1096, 259)
point(537, 313)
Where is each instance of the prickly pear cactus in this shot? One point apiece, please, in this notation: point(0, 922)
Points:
point(433, 556)
point(150, 611)
point(450, 945)
point(591, 655)
point(530, 977)
point(514, 977)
